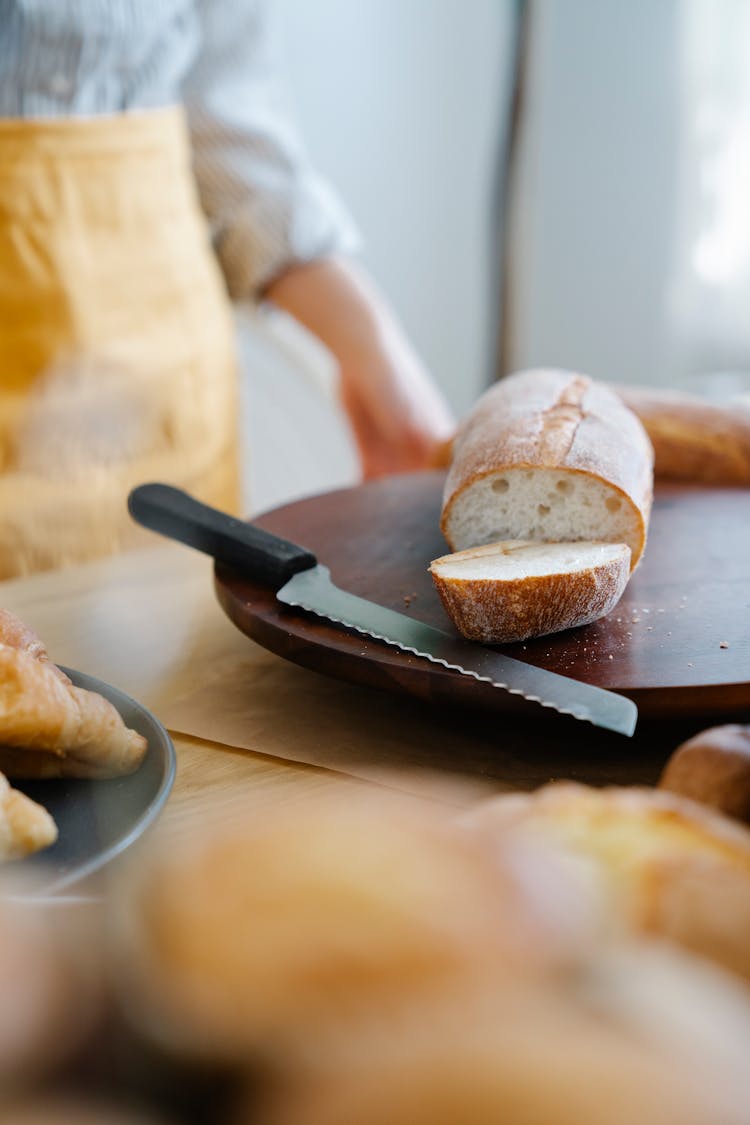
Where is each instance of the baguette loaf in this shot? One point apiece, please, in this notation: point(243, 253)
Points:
point(693, 439)
point(549, 455)
point(506, 592)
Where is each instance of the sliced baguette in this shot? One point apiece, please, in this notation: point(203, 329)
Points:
point(553, 456)
point(510, 591)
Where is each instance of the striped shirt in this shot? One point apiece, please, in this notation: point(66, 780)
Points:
point(267, 206)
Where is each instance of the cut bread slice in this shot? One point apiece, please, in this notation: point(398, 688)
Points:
point(551, 456)
point(516, 589)
point(544, 505)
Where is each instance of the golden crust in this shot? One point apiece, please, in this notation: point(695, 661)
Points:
point(693, 440)
point(297, 923)
point(644, 1035)
point(16, 634)
point(40, 712)
point(25, 827)
point(667, 865)
point(713, 767)
point(495, 611)
point(558, 420)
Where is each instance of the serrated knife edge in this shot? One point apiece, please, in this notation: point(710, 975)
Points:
point(319, 578)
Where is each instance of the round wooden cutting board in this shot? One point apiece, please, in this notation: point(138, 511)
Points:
point(678, 643)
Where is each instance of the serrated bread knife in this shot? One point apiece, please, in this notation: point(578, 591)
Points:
point(300, 581)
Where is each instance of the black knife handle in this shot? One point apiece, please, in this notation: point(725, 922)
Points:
point(257, 553)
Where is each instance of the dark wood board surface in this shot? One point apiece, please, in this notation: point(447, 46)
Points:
point(678, 643)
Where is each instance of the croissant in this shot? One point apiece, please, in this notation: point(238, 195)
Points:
point(16, 634)
point(50, 728)
point(25, 827)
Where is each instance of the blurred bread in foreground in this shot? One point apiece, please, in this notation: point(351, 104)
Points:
point(664, 865)
point(50, 982)
point(296, 923)
point(713, 767)
point(647, 1036)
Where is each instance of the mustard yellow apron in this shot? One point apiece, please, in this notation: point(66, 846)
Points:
point(117, 361)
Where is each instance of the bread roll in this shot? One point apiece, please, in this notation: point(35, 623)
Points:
point(645, 1036)
point(693, 439)
point(665, 865)
point(289, 925)
point(713, 767)
point(505, 592)
point(553, 456)
point(17, 634)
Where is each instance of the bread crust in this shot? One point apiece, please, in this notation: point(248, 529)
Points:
point(713, 767)
point(551, 419)
point(693, 439)
point(505, 610)
point(50, 728)
point(16, 634)
point(669, 866)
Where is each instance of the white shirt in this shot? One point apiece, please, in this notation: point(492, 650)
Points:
point(266, 205)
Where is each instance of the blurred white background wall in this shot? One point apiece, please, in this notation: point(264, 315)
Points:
point(403, 105)
point(631, 223)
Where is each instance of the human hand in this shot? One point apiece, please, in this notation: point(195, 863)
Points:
point(399, 418)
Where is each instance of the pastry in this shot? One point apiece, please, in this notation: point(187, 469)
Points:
point(664, 865)
point(25, 827)
point(50, 728)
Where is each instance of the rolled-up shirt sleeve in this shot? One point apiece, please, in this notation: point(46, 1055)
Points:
point(267, 206)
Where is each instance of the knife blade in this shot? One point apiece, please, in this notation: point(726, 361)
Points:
point(300, 581)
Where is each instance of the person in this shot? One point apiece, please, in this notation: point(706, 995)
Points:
point(150, 175)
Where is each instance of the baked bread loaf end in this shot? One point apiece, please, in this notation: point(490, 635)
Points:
point(553, 456)
point(506, 592)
